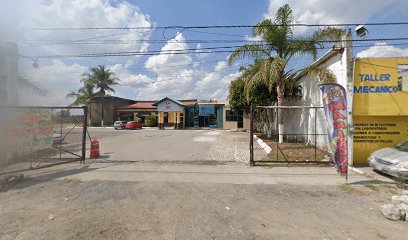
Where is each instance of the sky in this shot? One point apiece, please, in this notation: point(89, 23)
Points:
point(180, 76)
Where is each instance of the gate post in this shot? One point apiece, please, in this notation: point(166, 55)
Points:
point(84, 131)
point(251, 137)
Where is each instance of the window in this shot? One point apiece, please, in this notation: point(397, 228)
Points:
point(403, 78)
point(181, 117)
point(232, 116)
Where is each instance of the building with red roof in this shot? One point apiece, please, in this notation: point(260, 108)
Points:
point(167, 112)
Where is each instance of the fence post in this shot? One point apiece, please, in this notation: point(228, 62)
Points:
point(277, 130)
point(251, 137)
point(84, 131)
point(315, 133)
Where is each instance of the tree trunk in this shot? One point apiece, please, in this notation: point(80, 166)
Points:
point(89, 115)
point(102, 112)
point(280, 94)
point(268, 122)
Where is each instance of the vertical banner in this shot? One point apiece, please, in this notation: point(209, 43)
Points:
point(335, 108)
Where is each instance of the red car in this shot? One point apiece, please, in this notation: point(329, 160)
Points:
point(133, 125)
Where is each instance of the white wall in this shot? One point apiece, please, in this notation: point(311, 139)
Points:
point(302, 121)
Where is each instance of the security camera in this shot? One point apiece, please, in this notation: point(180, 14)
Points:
point(361, 31)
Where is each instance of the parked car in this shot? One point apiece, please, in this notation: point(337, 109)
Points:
point(133, 125)
point(119, 125)
point(57, 138)
point(392, 161)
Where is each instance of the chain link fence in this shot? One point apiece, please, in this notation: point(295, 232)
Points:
point(36, 137)
point(300, 138)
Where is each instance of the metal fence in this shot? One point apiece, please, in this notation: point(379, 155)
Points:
point(37, 137)
point(302, 139)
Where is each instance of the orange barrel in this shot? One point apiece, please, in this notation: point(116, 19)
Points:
point(94, 149)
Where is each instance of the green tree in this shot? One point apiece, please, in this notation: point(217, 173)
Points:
point(102, 79)
point(84, 96)
point(243, 93)
point(276, 49)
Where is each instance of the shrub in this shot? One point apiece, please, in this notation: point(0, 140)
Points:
point(151, 121)
point(138, 120)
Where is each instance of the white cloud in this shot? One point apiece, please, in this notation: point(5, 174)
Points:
point(326, 12)
point(177, 76)
point(221, 65)
point(160, 63)
point(199, 53)
point(57, 75)
point(383, 50)
point(90, 13)
point(173, 75)
point(215, 84)
point(57, 78)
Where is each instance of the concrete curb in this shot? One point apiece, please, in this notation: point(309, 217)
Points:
point(361, 172)
point(263, 145)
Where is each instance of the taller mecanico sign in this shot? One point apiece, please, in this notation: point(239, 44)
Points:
point(380, 105)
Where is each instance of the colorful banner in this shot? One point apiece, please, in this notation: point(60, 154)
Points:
point(335, 107)
point(32, 130)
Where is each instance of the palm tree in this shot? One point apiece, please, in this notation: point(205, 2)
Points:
point(84, 96)
point(276, 49)
point(103, 79)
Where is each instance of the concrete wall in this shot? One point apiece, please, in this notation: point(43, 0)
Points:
point(311, 121)
point(247, 121)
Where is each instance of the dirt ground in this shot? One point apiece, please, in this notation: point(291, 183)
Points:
point(131, 193)
point(155, 210)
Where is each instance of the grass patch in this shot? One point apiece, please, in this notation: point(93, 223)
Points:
point(372, 187)
point(294, 151)
point(347, 188)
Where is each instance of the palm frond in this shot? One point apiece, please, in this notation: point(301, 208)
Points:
point(247, 51)
point(301, 46)
point(277, 69)
point(284, 18)
point(323, 74)
point(327, 34)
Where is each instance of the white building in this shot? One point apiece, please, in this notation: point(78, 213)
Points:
point(302, 121)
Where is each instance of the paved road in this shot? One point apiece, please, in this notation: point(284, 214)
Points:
point(187, 146)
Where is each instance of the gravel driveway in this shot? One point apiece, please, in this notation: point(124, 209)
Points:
point(160, 210)
point(186, 146)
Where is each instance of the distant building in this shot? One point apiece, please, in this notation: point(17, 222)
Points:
point(169, 113)
point(110, 104)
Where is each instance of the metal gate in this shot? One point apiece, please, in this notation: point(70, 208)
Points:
point(303, 139)
point(38, 137)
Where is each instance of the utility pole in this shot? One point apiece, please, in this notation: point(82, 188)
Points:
point(347, 42)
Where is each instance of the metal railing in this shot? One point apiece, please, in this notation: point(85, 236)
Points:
point(302, 141)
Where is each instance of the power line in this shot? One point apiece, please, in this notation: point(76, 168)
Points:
point(216, 26)
point(186, 51)
point(118, 41)
point(134, 69)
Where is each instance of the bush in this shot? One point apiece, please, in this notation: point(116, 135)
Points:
point(151, 121)
point(138, 120)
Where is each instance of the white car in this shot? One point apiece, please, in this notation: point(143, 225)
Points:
point(119, 125)
point(391, 161)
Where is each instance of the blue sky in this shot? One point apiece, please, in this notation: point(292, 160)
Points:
point(201, 76)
